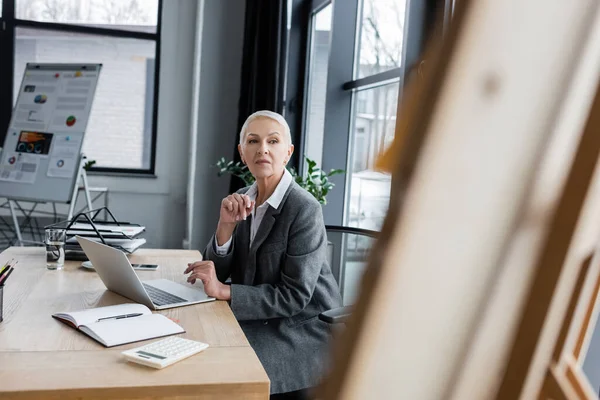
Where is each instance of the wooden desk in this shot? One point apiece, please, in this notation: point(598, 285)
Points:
point(43, 358)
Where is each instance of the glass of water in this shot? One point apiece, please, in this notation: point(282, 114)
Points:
point(55, 248)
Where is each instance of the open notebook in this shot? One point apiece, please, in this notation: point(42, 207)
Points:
point(120, 324)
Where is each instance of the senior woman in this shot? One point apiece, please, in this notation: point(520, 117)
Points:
point(271, 242)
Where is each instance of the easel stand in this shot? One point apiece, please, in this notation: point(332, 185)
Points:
point(81, 177)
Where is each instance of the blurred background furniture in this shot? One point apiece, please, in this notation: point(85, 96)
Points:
point(347, 250)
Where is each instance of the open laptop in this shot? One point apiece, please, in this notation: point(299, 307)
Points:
point(118, 275)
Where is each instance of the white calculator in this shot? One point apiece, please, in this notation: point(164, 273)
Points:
point(164, 352)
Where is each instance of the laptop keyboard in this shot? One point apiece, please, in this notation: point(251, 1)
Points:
point(160, 297)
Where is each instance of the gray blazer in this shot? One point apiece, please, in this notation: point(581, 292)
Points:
point(279, 286)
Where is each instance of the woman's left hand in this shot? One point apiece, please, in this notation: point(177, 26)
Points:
point(205, 271)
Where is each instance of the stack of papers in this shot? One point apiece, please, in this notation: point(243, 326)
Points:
point(122, 237)
point(127, 245)
point(107, 230)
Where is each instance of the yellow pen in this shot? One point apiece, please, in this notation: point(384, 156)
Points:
point(6, 267)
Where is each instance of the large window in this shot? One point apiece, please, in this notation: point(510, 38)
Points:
point(377, 72)
point(355, 68)
point(373, 127)
point(380, 37)
point(358, 54)
point(320, 39)
point(123, 35)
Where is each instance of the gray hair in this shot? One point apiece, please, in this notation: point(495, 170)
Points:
point(271, 115)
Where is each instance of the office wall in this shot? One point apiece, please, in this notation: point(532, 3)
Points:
point(160, 203)
point(221, 60)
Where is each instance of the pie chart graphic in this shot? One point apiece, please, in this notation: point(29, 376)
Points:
point(71, 120)
point(12, 160)
point(40, 99)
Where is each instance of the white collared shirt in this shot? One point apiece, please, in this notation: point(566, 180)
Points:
point(259, 212)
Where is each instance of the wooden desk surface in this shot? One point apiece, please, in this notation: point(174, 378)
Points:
point(43, 358)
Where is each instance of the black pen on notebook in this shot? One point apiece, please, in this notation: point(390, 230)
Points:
point(121, 316)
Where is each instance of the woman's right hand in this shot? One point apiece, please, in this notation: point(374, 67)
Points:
point(235, 208)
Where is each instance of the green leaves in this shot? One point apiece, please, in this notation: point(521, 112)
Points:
point(238, 169)
point(316, 181)
point(89, 164)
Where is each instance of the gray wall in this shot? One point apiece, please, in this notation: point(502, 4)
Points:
point(221, 61)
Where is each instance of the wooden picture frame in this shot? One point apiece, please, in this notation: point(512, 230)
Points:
point(565, 378)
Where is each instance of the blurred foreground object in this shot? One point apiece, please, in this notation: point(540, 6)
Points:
point(484, 280)
point(413, 91)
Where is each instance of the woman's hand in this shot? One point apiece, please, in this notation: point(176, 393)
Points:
point(205, 271)
point(234, 208)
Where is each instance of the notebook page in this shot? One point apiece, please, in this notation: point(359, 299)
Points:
point(120, 331)
point(86, 317)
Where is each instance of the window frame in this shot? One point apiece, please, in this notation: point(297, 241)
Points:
point(8, 26)
point(412, 46)
point(342, 84)
point(296, 80)
point(316, 6)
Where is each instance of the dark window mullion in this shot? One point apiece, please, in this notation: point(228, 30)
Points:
point(120, 33)
point(135, 171)
point(338, 104)
point(156, 86)
point(8, 9)
point(296, 77)
point(382, 78)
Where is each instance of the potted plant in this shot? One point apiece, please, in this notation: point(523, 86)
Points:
point(89, 164)
point(316, 181)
